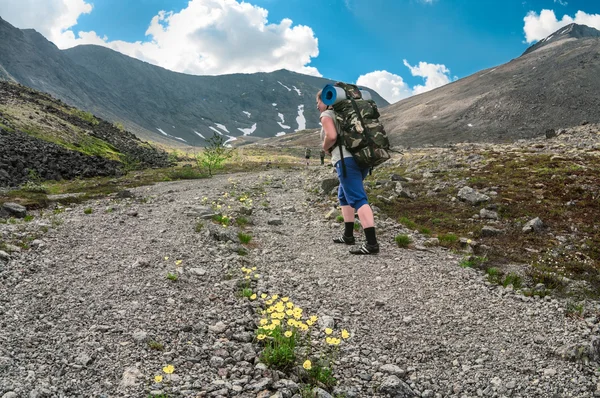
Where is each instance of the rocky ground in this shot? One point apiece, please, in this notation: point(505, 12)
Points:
point(88, 311)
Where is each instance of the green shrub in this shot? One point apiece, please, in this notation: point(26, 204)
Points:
point(403, 240)
point(408, 223)
point(244, 238)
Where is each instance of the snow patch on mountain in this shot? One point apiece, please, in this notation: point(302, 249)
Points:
point(283, 126)
point(301, 120)
point(248, 131)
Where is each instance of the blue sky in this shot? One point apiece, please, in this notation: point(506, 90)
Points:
point(398, 47)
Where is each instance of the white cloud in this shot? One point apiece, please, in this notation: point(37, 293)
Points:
point(389, 86)
point(435, 75)
point(561, 2)
point(49, 17)
point(393, 87)
point(539, 26)
point(208, 37)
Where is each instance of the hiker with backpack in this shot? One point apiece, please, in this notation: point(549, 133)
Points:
point(339, 120)
point(307, 156)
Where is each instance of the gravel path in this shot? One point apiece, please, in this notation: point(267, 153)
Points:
point(89, 312)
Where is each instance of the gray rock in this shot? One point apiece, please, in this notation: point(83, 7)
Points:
point(13, 210)
point(397, 388)
point(140, 336)
point(219, 327)
point(4, 257)
point(204, 212)
point(130, 377)
point(261, 384)
point(320, 393)
point(490, 231)
point(595, 349)
point(392, 370)
point(328, 184)
point(403, 192)
point(10, 394)
point(197, 271)
point(488, 214)
point(83, 359)
point(468, 194)
point(535, 225)
point(275, 221)
point(326, 321)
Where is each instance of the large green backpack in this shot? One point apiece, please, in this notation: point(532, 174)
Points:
point(362, 133)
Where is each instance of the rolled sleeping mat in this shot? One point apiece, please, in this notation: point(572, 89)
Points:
point(332, 95)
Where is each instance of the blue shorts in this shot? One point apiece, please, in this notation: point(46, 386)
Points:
point(351, 191)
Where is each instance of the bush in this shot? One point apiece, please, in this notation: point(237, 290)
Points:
point(403, 240)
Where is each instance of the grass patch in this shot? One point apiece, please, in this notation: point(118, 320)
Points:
point(241, 221)
point(244, 238)
point(199, 226)
point(155, 345)
point(172, 276)
point(403, 240)
point(88, 210)
point(407, 223)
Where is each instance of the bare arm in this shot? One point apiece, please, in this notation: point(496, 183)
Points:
point(330, 133)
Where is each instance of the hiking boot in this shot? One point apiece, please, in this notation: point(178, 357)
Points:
point(366, 249)
point(349, 240)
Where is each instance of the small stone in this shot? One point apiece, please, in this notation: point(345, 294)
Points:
point(10, 394)
point(83, 359)
point(393, 370)
point(198, 271)
point(275, 221)
point(130, 377)
point(140, 336)
point(550, 372)
point(4, 256)
point(219, 327)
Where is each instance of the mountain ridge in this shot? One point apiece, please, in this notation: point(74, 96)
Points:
point(159, 104)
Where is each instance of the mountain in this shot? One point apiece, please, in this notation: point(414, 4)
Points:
point(554, 84)
point(159, 104)
point(43, 137)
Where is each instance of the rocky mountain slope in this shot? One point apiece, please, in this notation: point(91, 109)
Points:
point(158, 104)
point(552, 85)
point(43, 138)
point(84, 314)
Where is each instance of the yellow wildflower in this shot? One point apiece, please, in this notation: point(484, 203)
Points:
point(288, 334)
point(253, 268)
point(158, 379)
point(345, 334)
point(275, 297)
point(307, 365)
point(169, 369)
point(285, 299)
point(328, 340)
point(276, 322)
point(289, 313)
point(178, 262)
point(264, 296)
point(256, 276)
point(253, 297)
point(290, 305)
point(314, 318)
point(328, 331)
point(263, 321)
point(269, 302)
point(309, 322)
point(261, 337)
point(291, 322)
point(166, 258)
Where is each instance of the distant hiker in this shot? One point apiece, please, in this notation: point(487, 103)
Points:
point(322, 155)
point(307, 155)
point(351, 192)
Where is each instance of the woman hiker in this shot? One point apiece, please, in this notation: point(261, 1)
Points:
point(351, 192)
